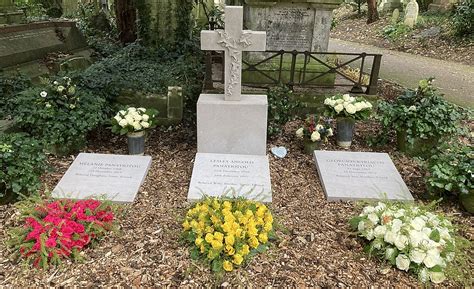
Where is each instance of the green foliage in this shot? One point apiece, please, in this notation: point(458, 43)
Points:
point(395, 32)
point(22, 162)
point(139, 68)
point(463, 18)
point(10, 86)
point(59, 114)
point(422, 113)
point(450, 171)
point(281, 108)
point(34, 10)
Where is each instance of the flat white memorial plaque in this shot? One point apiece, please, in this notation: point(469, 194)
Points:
point(353, 176)
point(231, 175)
point(114, 177)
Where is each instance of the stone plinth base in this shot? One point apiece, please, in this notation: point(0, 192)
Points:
point(232, 127)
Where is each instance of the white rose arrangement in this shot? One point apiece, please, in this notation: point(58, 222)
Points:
point(348, 106)
point(315, 129)
point(133, 120)
point(409, 237)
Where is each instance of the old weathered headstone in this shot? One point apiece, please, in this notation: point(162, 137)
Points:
point(442, 5)
point(232, 124)
point(25, 46)
point(230, 175)
point(352, 176)
point(395, 16)
point(302, 25)
point(411, 14)
point(113, 177)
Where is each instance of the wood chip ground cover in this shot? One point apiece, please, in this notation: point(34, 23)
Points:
point(314, 246)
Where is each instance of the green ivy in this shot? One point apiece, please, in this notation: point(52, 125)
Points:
point(10, 86)
point(144, 69)
point(421, 114)
point(463, 18)
point(281, 108)
point(450, 171)
point(22, 162)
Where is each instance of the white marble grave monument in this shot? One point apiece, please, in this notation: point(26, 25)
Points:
point(232, 127)
point(232, 123)
point(354, 176)
point(112, 177)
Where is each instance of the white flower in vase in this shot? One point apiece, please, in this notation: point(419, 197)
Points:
point(300, 132)
point(315, 136)
point(402, 262)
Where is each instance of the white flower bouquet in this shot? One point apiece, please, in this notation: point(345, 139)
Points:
point(133, 120)
point(410, 238)
point(348, 106)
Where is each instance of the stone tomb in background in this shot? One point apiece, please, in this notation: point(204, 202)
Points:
point(113, 177)
point(230, 175)
point(354, 176)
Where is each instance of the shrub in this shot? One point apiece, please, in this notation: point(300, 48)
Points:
point(22, 162)
point(59, 114)
point(420, 114)
point(227, 233)
point(57, 230)
point(414, 240)
point(463, 18)
point(281, 108)
point(450, 171)
point(144, 69)
point(10, 86)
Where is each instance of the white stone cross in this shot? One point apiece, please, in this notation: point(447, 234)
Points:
point(233, 40)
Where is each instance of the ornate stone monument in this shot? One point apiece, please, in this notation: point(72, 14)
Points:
point(9, 14)
point(301, 25)
point(232, 123)
point(411, 14)
point(232, 127)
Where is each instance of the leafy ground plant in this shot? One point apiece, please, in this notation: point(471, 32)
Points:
point(53, 231)
point(226, 233)
point(414, 239)
point(22, 162)
point(281, 108)
point(450, 171)
point(58, 113)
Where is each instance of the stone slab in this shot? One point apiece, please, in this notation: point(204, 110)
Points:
point(29, 42)
point(291, 26)
point(114, 177)
point(231, 175)
point(353, 176)
point(232, 127)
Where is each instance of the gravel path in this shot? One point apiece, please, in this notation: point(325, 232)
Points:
point(455, 80)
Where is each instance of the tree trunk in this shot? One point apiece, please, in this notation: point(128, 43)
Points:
point(126, 16)
point(372, 14)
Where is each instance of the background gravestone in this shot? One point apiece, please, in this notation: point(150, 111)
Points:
point(301, 25)
point(9, 14)
point(26, 46)
point(411, 14)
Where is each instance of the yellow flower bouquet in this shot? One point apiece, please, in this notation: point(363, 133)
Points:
point(227, 232)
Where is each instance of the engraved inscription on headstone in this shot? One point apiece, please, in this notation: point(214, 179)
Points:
point(230, 175)
point(360, 176)
point(291, 27)
point(115, 177)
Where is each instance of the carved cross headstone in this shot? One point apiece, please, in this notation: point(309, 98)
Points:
point(233, 40)
point(411, 15)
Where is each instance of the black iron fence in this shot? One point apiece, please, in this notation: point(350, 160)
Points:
point(358, 72)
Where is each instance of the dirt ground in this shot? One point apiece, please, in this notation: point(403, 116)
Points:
point(314, 246)
point(353, 27)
